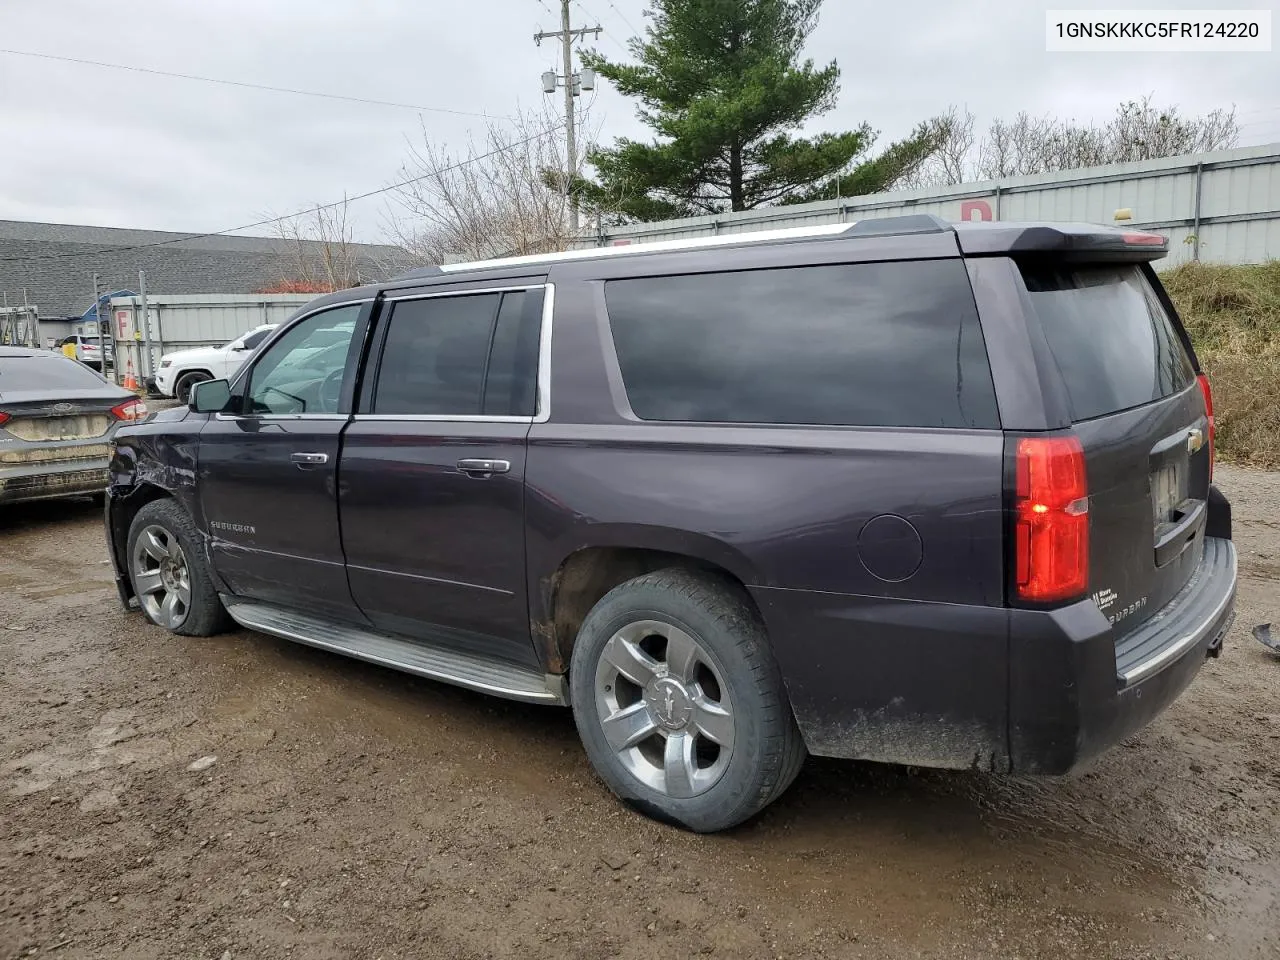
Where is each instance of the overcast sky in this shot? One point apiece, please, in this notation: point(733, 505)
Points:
point(84, 144)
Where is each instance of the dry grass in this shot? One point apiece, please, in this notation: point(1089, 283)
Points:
point(1233, 316)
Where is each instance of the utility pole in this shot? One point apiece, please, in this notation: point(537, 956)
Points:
point(574, 84)
point(145, 370)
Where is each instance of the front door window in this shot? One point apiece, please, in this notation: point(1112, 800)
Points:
point(302, 372)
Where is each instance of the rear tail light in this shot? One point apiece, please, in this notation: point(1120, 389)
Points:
point(4, 418)
point(129, 410)
point(1143, 239)
point(1208, 412)
point(1051, 532)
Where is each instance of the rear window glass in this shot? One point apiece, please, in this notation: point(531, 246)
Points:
point(45, 373)
point(433, 361)
point(1110, 336)
point(883, 344)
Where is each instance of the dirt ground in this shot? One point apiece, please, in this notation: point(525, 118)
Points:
point(356, 812)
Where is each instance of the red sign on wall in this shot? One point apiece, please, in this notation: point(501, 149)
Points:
point(982, 209)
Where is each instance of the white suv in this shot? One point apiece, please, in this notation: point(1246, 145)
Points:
point(181, 370)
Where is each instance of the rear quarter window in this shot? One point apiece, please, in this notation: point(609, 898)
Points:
point(883, 344)
point(1114, 344)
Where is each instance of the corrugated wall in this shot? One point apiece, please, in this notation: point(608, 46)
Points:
point(1223, 206)
point(180, 322)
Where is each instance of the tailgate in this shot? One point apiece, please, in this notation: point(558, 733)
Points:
point(1130, 384)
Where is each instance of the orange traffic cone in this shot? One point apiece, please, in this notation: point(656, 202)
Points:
point(130, 381)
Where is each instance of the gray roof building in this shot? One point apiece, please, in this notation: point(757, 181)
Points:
point(55, 263)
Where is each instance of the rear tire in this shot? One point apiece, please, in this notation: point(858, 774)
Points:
point(182, 389)
point(170, 573)
point(679, 703)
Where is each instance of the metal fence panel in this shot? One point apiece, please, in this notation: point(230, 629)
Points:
point(182, 322)
point(1222, 206)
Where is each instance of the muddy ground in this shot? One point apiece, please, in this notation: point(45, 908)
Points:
point(355, 812)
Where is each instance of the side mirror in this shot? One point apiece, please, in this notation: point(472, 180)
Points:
point(238, 348)
point(210, 396)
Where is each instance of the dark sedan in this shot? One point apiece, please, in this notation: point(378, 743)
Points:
point(57, 418)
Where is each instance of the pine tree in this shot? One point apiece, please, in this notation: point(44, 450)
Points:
point(723, 85)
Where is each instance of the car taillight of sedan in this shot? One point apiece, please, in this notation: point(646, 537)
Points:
point(129, 411)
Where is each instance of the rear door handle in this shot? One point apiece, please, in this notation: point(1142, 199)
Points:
point(484, 468)
point(309, 459)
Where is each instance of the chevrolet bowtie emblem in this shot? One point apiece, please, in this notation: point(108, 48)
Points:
point(1195, 440)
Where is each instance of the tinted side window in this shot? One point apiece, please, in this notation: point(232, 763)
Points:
point(511, 385)
point(1110, 337)
point(433, 359)
point(461, 356)
point(883, 344)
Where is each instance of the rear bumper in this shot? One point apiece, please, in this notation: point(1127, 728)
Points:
point(956, 686)
point(1074, 693)
point(49, 480)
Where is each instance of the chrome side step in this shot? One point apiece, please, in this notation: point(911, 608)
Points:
point(485, 674)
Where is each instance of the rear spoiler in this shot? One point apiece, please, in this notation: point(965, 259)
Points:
point(1065, 241)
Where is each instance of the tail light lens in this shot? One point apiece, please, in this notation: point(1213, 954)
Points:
point(1208, 411)
point(129, 410)
point(1051, 536)
point(1143, 239)
point(4, 418)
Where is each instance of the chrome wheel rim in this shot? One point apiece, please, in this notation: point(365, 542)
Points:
point(664, 708)
point(161, 576)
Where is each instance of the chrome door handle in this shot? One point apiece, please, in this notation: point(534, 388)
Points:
point(309, 459)
point(484, 468)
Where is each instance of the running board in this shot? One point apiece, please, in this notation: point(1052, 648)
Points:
point(497, 677)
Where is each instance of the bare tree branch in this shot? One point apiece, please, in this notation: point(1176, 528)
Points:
point(501, 196)
point(317, 252)
point(1026, 145)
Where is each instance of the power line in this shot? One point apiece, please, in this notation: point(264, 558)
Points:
point(629, 24)
point(550, 131)
point(253, 86)
point(597, 20)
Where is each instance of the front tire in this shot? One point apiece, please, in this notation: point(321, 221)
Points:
point(170, 573)
point(182, 389)
point(679, 703)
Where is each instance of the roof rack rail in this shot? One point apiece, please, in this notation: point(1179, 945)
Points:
point(887, 226)
point(907, 223)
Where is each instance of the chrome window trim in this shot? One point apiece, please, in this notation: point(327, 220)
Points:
point(542, 398)
point(542, 402)
point(437, 418)
point(463, 292)
point(281, 416)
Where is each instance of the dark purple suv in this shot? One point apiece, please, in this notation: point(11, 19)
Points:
point(899, 491)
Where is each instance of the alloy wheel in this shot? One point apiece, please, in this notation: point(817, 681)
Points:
point(161, 576)
point(664, 708)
